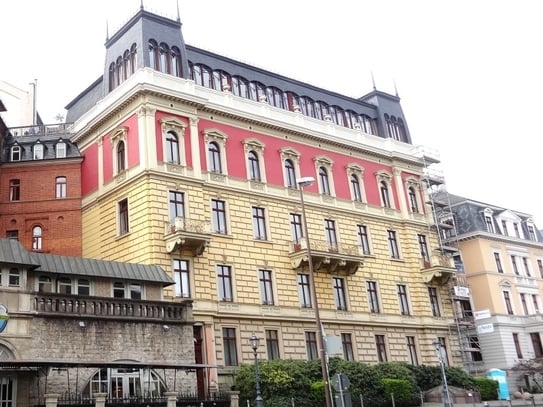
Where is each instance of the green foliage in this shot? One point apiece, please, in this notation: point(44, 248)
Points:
point(459, 378)
point(488, 388)
point(401, 390)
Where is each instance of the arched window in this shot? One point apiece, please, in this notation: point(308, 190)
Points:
point(37, 238)
point(153, 54)
point(240, 87)
point(254, 166)
point(214, 156)
point(324, 181)
point(355, 188)
point(385, 198)
point(38, 151)
point(60, 187)
point(172, 148)
point(164, 64)
point(125, 384)
point(290, 174)
point(60, 149)
point(176, 62)
point(121, 154)
point(112, 84)
point(126, 64)
point(133, 58)
point(119, 72)
point(413, 200)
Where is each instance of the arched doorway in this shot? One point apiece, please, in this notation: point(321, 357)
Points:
point(8, 383)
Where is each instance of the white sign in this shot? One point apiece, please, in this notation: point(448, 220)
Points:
point(461, 291)
point(485, 313)
point(485, 328)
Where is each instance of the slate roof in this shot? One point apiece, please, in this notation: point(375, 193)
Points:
point(11, 251)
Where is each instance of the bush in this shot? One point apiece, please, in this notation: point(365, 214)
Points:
point(488, 388)
point(402, 390)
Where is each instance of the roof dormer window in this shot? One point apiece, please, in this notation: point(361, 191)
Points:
point(60, 149)
point(16, 153)
point(37, 151)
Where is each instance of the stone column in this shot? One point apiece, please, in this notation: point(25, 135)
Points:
point(100, 399)
point(51, 400)
point(234, 398)
point(171, 398)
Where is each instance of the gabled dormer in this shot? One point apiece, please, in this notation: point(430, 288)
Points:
point(510, 224)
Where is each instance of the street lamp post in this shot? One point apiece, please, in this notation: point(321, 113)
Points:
point(303, 182)
point(446, 395)
point(255, 341)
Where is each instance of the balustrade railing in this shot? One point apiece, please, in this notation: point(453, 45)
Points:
point(40, 130)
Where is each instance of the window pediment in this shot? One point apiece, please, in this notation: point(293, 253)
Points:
point(355, 168)
point(289, 152)
point(119, 133)
point(173, 124)
point(253, 144)
point(215, 135)
point(383, 175)
point(322, 160)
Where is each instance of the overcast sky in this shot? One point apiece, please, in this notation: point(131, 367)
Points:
point(469, 72)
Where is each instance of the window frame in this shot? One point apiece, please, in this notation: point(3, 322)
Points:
point(393, 244)
point(347, 346)
point(363, 239)
point(311, 345)
point(403, 299)
point(304, 290)
point(330, 233)
point(290, 176)
point(265, 282)
point(340, 293)
point(173, 153)
point(380, 347)
point(372, 291)
point(123, 217)
point(272, 344)
point(61, 187)
point(182, 278)
point(14, 189)
point(37, 238)
point(260, 223)
point(225, 283)
point(412, 350)
point(219, 217)
point(433, 296)
point(230, 347)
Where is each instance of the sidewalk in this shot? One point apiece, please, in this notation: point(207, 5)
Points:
point(537, 401)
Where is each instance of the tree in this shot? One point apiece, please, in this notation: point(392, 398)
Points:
point(533, 368)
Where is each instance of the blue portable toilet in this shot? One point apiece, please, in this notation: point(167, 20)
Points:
point(501, 377)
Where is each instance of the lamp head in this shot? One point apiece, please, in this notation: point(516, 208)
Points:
point(305, 181)
point(254, 341)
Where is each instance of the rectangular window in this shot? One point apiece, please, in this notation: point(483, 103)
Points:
point(535, 303)
point(363, 239)
point(514, 263)
point(330, 232)
point(443, 350)
point(381, 348)
point(338, 285)
point(296, 230)
point(83, 287)
point(311, 345)
point(60, 187)
point(272, 344)
point(402, 299)
point(434, 301)
point(523, 303)
point(60, 150)
point(475, 349)
point(304, 291)
point(224, 283)
point(499, 266)
point(347, 344)
point(526, 267)
point(412, 350)
point(13, 278)
point(12, 234)
point(218, 209)
point(489, 224)
point(373, 300)
point(507, 300)
point(181, 277)
point(266, 287)
point(135, 291)
point(259, 223)
point(531, 233)
point(230, 348)
point(118, 290)
point(123, 216)
point(517, 232)
point(64, 286)
point(423, 248)
point(540, 267)
point(14, 190)
point(536, 343)
point(516, 341)
point(504, 228)
point(393, 244)
point(176, 204)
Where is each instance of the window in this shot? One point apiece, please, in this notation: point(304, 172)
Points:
point(423, 248)
point(135, 291)
point(14, 278)
point(413, 200)
point(44, 284)
point(504, 228)
point(475, 347)
point(402, 299)
point(516, 229)
point(443, 350)
point(517, 346)
point(218, 209)
point(37, 151)
point(347, 345)
point(535, 303)
point(393, 244)
point(507, 300)
point(121, 157)
point(64, 286)
point(381, 348)
point(412, 350)
point(296, 230)
point(304, 291)
point(16, 153)
point(373, 300)
point(526, 266)
point(12, 234)
point(37, 238)
point(172, 148)
point(14, 189)
point(499, 266)
point(514, 263)
point(338, 285)
point(290, 174)
point(531, 233)
point(254, 166)
point(536, 343)
point(272, 344)
point(324, 182)
point(540, 267)
point(177, 204)
point(266, 287)
point(123, 216)
point(214, 156)
point(181, 276)
point(83, 286)
point(230, 347)
point(331, 238)
point(60, 149)
point(224, 283)
point(523, 303)
point(434, 301)
point(355, 188)
point(363, 239)
point(259, 223)
point(311, 345)
point(60, 187)
point(385, 198)
point(489, 224)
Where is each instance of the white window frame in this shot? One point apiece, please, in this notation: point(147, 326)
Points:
point(178, 127)
point(386, 177)
point(294, 156)
point(326, 163)
point(220, 138)
point(355, 169)
point(117, 135)
point(257, 147)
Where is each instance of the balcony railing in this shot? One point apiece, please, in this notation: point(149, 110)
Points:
point(332, 257)
point(438, 268)
point(111, 308)
point(187, 233)
point(40, 130)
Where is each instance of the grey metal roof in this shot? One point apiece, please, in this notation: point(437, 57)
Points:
point(13, 252)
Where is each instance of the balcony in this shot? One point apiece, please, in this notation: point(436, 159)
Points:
point(339, 258)
point(438, 269)
point(185, 233)
point(59, 305)
point(40, 130)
